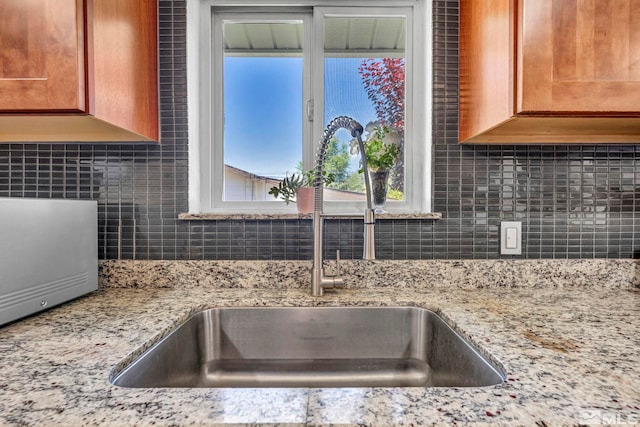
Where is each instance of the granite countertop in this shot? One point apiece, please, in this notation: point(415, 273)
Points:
point(571, 352)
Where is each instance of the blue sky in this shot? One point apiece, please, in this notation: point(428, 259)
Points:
point(263, 109)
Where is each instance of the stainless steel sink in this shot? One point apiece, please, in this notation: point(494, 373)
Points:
point(311, 347)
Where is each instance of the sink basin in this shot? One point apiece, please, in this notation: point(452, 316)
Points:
point(311, 347)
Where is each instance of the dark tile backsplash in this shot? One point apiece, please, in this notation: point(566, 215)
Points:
point(574, 201)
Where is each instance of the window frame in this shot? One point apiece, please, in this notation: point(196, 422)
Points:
point(206, 161)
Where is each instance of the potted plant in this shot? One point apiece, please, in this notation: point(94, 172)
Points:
point(382, 150)
point(299, 188)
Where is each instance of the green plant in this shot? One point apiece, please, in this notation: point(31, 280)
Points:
point(379, 154)
point(287, 188)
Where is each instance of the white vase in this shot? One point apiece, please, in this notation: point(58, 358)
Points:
point(379, 185)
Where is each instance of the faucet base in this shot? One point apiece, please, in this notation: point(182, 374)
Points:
point(320, 282)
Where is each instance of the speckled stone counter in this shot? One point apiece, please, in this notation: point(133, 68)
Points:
point(421, 274)
point(570, 349)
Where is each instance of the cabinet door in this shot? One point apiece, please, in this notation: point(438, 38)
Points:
point(41, 55)
point(579, 56)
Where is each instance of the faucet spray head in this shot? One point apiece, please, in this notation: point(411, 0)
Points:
point(355, 128)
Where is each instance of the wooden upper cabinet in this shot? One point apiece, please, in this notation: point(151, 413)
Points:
point(552, 71)
point(79, 71)
point(123, 63)
point(580, 55)
point(42, 55)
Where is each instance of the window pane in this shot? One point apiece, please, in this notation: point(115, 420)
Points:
point(262, 106)
point(364, 79)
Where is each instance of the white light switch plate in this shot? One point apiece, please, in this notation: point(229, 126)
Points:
point(511, 238)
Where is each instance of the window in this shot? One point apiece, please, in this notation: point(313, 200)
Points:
point(265, 81)
point(259, 70)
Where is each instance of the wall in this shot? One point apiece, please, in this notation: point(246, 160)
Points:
point(574, 201)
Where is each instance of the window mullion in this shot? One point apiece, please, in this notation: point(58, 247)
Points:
point(310, 97)
point(316, 54)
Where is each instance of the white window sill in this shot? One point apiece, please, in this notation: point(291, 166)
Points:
point(267, 216)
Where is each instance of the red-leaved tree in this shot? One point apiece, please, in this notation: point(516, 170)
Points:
point(383, 79)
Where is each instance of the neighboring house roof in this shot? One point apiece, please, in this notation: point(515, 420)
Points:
point(368, 37)
point(249, 175)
